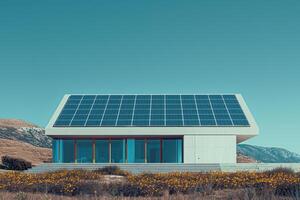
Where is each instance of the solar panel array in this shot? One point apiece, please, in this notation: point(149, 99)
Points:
point(151, 110)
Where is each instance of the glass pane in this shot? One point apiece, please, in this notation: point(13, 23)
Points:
point(84, 152)
point(135, 151)
point(67, 151)
point(102, 151)
point(55, 151)
point(153, 151)
point(172, 151)
point(117, 151)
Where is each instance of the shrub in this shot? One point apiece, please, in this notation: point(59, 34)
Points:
point(111, 170)
point(21, 196)
point(277, 170)
point(12, 163)
point(288, 189)
point(118, 189)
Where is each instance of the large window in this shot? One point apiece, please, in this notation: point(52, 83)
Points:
point(102, 151)
point(67, 151)
point(84, 152)
point(135, 151)
point(118, 151)
point(55, 150)
point(172, 151)
point(161, 150)
point(153, 151)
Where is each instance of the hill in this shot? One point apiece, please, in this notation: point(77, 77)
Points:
point(268, 154)
point(23, 131)
point(36, 155)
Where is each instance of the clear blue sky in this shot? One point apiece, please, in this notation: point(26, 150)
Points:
point(49, 48)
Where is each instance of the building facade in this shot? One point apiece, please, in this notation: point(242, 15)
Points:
point(150, 128)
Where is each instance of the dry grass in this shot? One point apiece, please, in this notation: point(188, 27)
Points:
point(237, 194)
point(274, 184)
point(33, 154)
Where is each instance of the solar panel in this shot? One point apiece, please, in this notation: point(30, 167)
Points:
point(151, 110)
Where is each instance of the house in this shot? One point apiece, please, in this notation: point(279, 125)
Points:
point(160, 128)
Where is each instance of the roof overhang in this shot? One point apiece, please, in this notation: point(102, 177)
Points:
point(242, 133)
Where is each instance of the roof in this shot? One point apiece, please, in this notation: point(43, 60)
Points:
point(154, 111)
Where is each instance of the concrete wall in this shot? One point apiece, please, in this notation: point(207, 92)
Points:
point(209, 148)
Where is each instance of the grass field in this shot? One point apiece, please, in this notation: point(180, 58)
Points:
point(113, 183)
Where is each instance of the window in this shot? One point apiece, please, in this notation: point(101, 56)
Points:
point(102, 151)
point(153, 151)
point(55, 150)
point(84, 152)
point(118, 151)
point(67, 151)
point(135, 151)
point(172, 150)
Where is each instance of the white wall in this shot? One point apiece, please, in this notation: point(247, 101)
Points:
point(209, 149)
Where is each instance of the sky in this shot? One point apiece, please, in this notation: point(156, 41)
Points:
point(54, 47)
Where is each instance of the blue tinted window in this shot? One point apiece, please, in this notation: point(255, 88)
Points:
point(67, 151)
point(135, 151)
point(172, 151)
point(55, 150)
point(102, 151)
point(153, 151)
point(118, 151)
point(84, 152)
